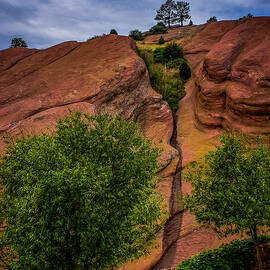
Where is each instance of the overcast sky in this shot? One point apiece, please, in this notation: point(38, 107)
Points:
point(43, 23)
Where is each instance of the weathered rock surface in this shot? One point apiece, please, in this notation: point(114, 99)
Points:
point(233, 78)
point(37, 87)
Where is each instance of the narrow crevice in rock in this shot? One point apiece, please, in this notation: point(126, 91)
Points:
point(174, 223)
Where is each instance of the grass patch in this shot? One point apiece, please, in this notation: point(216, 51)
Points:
point(148, 46)
point(166, 81)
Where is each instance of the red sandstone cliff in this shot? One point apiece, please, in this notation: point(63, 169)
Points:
point(233, 76)
point(37, 87)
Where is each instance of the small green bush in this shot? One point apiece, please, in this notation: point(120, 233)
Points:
point(161, 40)
point(172, 51)
point(158, 55)
point(184, 70)
point(238, 255)
point(114, 32)
point(136, 34)
point(212, 19)
point(160, 28)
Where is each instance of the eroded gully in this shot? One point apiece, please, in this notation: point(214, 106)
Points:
point(173, 224)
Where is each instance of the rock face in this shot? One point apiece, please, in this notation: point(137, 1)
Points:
point(105, 75)
point(229, 89)
point(233, 75)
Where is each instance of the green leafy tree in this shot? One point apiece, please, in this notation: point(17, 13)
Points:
point(182, 9)
point(136, 34)
point(161, 40)
point(82, 199)
point(231, 188)
point(212, 19)
point(114, 32)
point(166, 13)
point(18, 42)
point(190, 23)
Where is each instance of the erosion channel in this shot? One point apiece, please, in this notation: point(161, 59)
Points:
point(172, 227)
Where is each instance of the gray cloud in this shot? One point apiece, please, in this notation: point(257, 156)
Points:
point(47, 22)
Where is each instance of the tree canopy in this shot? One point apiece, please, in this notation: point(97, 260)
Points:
point(182, 12)
point(166, 13)
point(83, 198)
point(136, 34)
point(231, 188)
point(171, 12)
point(18, 42)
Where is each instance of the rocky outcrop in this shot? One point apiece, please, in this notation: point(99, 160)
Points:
point(217, 98)
point(233, 78)
point(105, 75)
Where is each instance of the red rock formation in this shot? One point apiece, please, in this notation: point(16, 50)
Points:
point(37, 87)
point(229, 89)
point(233, 80)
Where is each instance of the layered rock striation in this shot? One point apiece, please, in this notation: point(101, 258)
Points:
point(231, 64)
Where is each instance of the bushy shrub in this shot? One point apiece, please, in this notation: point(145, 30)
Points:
point(136, 34)
point(236, 255)
point(190, 23)
point(161, 40)
point(212, 19)
point(172, 51)
point(160, 28)
point(114, 32)
point(18, 42)
point(184, 70)
point(248, 16)
point(158, 55)
point(168, 53)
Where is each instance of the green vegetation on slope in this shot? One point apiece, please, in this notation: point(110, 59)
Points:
point(83, 198)
point(163, 65)
point(238, 255)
